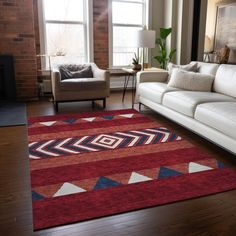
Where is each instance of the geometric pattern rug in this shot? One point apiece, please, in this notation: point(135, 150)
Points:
point(88, 165)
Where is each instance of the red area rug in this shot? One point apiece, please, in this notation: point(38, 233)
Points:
point(97, 164)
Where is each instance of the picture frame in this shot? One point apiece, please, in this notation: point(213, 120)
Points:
point(225, 30)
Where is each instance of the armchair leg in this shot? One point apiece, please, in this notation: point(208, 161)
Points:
point(104, 103)
point(93, 104)
point(56, 106)
point(139, 106)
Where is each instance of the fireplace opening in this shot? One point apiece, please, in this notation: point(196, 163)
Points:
point(7, 78)
point(2, 92)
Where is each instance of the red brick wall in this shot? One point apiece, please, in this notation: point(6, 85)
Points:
point(36, 32)
point(17, 38)
point(101, 41)
point(20, 38)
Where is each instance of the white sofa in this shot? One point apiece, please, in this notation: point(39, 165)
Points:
point(209, 114)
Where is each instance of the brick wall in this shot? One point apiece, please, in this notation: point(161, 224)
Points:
point(36, 32)
point(17, 38)
point(101, 41)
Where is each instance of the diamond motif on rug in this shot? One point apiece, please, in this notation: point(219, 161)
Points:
point(100, 142)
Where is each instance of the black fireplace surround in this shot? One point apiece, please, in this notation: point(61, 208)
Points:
point(7, 78)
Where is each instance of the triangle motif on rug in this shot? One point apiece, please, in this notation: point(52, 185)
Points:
point(104, 182)
point(127, 115)
point(70, 121)
point(90, 119)
point(195, 167)
point(68, 188)
point(48, 123)
point(36, 196)
point(167, 172)
point(220, 164)
point(137, 178)
point(108, 117)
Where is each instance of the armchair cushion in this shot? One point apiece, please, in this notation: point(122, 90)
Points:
point(82, 84)
point(74, 71)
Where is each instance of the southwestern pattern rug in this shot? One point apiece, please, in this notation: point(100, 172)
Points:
point(96, 164)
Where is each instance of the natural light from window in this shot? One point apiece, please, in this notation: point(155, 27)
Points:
point(128, 16)
point(65, 28)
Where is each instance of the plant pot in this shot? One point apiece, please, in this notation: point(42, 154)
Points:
point(137, 67)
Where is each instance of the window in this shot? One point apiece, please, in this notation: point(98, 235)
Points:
point(127, 16)
point(65, 34)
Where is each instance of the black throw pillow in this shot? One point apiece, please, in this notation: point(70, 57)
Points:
point(65, 73)
point(84, 73)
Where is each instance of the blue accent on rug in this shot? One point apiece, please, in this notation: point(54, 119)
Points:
point(36, 196)
point(104, 182)
point(108, 117)
point(166, 172)
point(220, 164)
point(71, 120)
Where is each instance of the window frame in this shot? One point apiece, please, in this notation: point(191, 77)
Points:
point(87, 29)
point(145, 21)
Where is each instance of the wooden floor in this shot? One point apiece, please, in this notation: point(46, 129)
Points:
point(213, 215)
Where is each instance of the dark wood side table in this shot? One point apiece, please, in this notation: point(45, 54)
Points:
point(126, 72)
point(129, 73)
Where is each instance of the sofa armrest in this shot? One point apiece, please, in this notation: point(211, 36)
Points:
point(56, 80)
point(152, 76)
point(158, 75)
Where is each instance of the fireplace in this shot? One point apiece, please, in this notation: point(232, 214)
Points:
point(7, 78)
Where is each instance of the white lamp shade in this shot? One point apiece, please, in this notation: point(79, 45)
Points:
point(146, 38)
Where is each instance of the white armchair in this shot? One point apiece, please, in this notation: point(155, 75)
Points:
point(96, 87)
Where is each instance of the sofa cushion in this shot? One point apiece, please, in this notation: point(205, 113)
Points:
point(154, 91)
point(82, 84)
point(225, 81)
point(185, 102)
point(218, 115)
point(189, 67)
point(190, 81)
point(207, 68)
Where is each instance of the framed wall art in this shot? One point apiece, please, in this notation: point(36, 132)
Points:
point(225, 33)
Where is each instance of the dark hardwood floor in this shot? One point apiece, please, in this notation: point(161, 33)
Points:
point(207, 216)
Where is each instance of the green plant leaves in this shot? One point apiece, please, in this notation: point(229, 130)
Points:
point(164, 32)
point(172, 53)
point(135, 60)
point(163, 57)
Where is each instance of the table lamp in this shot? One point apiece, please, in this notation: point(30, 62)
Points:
point(145, 39)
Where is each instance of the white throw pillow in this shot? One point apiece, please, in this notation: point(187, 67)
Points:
point(191, 81)
point(193, 66)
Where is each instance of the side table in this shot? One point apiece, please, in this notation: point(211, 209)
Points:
point(129, 73)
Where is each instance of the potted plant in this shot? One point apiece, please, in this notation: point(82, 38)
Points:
point(163, 58)
point(135, 62)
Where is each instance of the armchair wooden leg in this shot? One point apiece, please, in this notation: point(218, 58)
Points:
point(104, 103)
point(139, 106)
point(93, 104)
point(56, 106)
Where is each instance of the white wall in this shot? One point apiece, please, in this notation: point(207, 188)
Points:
point(157, 21)
point(178, 14)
